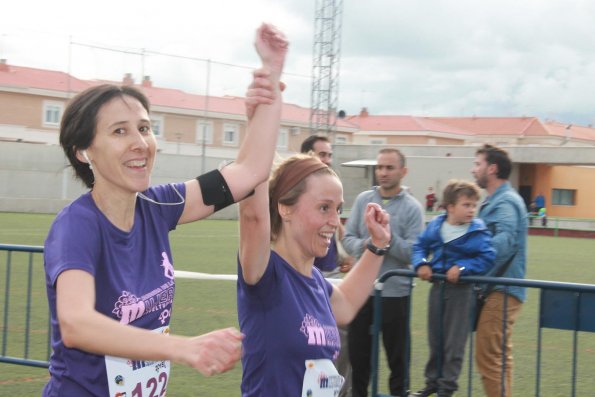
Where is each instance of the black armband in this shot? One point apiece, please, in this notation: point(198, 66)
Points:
point(215, 190)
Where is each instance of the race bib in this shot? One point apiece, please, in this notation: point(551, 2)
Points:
point(321, 379)
point(137, 378)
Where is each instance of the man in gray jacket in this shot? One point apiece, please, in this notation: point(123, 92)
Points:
point(406, 222)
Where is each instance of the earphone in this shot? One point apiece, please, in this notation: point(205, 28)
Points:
point(150, 200)
point(84, 154)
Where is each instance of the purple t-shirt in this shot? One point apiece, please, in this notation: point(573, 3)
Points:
point(328, 262)
point(134, 280)
point(287, 319)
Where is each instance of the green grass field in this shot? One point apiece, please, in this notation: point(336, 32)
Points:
point(200, 306)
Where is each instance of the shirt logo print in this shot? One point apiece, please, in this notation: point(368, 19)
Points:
point(318, 334)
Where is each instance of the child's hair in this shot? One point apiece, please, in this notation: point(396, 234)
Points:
point(456, 188)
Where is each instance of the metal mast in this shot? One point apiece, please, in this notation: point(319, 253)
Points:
point(325, 67)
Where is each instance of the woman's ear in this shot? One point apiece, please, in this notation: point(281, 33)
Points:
point(284, 212)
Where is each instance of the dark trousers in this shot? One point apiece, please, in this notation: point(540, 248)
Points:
point(395, 337)
point(448, 329)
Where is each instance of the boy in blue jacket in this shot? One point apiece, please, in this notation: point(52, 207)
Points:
point(455, 244)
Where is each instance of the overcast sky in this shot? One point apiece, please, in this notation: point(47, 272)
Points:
point(414, 57)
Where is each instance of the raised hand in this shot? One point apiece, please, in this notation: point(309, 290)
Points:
point(260, 91)
point(271, 45)
point(377, 221)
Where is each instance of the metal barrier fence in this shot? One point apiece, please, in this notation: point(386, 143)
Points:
point(557, 223)
point(25, 309)
point(25, 327)
point(563, 306)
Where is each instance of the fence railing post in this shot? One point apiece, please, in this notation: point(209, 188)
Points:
point(6, 304)
point(378, 285)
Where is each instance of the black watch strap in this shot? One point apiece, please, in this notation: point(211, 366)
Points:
point(375, 250)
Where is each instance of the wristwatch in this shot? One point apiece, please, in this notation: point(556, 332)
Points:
point(377, 251)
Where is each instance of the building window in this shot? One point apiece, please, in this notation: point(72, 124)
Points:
point(341, 140)
point(282, 140)
point(52, 113)
point(230, 134)
point(564, 197)
point(378, 141)
point(204, 128)
point(157, 125)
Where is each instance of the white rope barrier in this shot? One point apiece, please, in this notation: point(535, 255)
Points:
point(204, 276)
point(228, 277)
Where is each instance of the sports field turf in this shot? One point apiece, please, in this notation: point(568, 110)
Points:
point(200, 306)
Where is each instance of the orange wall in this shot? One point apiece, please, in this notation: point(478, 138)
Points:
point(576, 178)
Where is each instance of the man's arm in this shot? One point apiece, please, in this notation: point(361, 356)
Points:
point(354, 239)
point(400, 246)
point(505, 232)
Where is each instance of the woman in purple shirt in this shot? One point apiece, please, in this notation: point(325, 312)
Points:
point(109, 268)
point(287, 311)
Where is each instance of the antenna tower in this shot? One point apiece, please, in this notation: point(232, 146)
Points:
point(325, 67)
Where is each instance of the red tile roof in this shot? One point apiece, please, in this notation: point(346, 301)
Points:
point(405, 123)
point(25, 77)
point(570, 131)
point(19, 76)
point(490, 125)
point(502, 126)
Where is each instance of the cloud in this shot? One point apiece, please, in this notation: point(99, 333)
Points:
point(494, 58)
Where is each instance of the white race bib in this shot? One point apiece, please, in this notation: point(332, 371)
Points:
point(321, 379)
point(137, 378)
